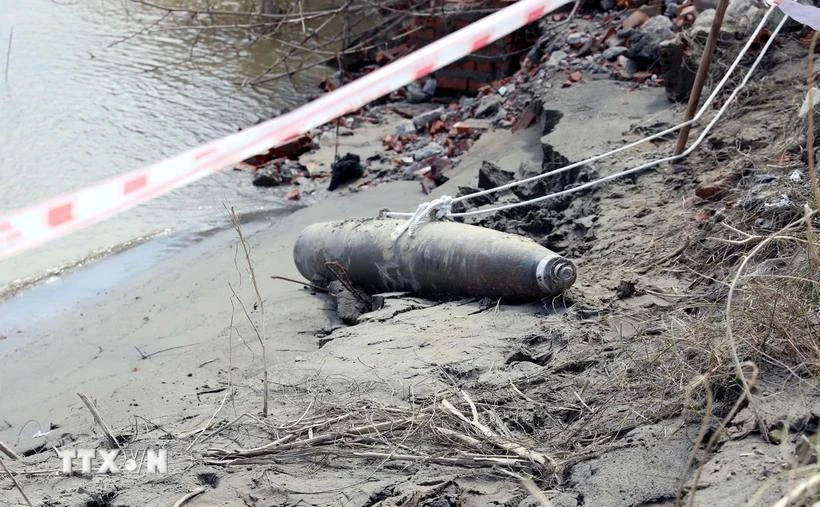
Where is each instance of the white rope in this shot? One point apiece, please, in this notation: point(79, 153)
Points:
point(647, 165)
point(595, 158)
point(426, 211)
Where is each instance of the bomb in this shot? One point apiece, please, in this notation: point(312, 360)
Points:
point(439, 260)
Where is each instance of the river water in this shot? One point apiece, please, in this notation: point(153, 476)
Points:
point(87, 98)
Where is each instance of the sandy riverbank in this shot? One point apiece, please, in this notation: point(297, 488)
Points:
point(591, 385)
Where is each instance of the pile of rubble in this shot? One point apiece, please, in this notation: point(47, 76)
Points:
point(645, 44)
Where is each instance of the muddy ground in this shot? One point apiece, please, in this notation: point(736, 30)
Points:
point(599, 396)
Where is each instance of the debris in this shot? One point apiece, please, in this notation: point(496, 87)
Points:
point(293, 194)
point(423, 93)
point(557, 58)
point(741, 18)
point(814, 93)
point(636, 19)
point(436, 127)
point(345, 170)
point(291, 169)
point(614, 52)
point(475, 201)
point(424, 119)
point(431, 150)
point(678, 69)
point(268, 177)
point(406, 128)
point(628, 67)
point(576, 76)
point(784, 202)
point(491, 176)
point(686, 17)
point(471, 125)
point(351, 301)
point(488, 105)
point(716, 182)
point(625, 289)
point(577, 39)
point(292, 149)
point(644, 43)
point(524, 120)
point(348, 307)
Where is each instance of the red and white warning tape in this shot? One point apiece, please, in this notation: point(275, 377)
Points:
point(28, 227)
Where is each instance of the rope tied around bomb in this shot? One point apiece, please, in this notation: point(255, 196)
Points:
point(437, 209)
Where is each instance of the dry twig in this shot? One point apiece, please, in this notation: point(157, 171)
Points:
point(259, 334)
point(109, 435)
point(16, 484)
point(8, 451)
point(182, 501)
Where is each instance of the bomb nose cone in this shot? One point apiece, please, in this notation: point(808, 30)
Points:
point(555, 274)
point(564, 273)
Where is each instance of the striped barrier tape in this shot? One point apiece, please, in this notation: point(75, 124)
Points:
point(25, 228)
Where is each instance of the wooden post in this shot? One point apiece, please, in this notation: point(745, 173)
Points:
point(703, 73)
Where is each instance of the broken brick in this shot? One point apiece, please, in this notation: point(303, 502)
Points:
point(636, 19)
point(436, 127)
point(292, 195)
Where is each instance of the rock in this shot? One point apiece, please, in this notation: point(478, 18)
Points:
point(687, 16)
point(348, 307)
point(659, 26)
point(577, 39)
point(625, 289)
point(644, 43)
point(488, 105)
point(678, 69)
point(703, 23)
point(628, 67)
point(466, 102)
point(742, 16)
point(345, 170)
point(672, 8)
point(499, 117)
point(431, 150)
point(424, 119)
point(491, 176)
point(475, 201)
point(614, 52)
point(586, 222)
point(406, 127)
point(556, 58)
point(429, 87)
point(292, 169)
point(293, 194)
point(421, 93)
point(269, 177)
point(535, 54)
